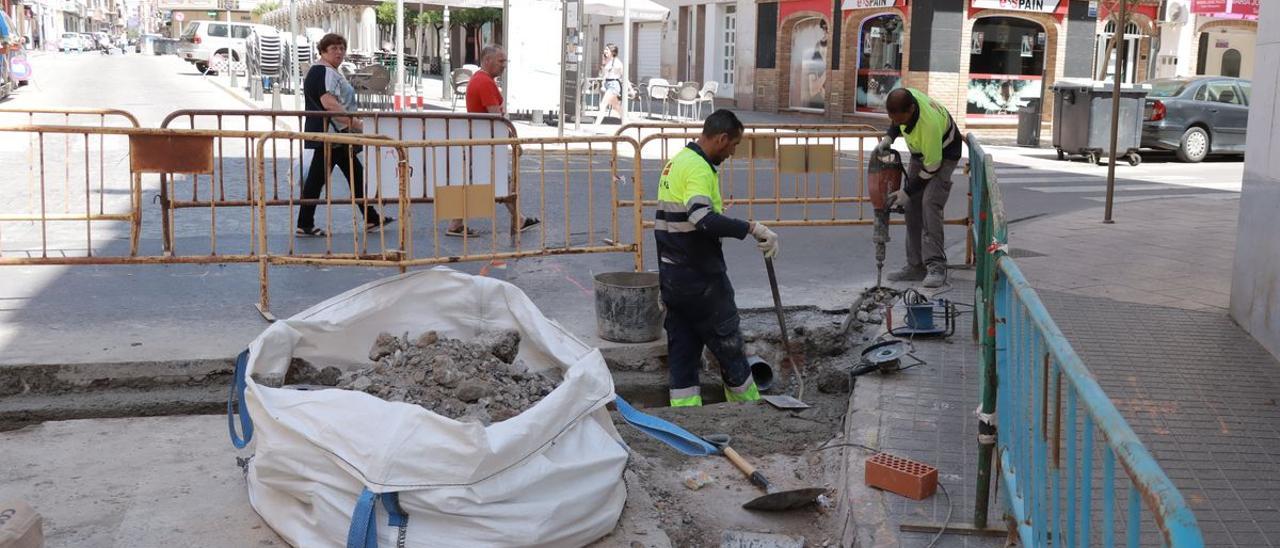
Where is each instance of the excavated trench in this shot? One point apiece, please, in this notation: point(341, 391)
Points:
point(787, 446)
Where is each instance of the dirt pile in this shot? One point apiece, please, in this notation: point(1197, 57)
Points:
point(478, 380)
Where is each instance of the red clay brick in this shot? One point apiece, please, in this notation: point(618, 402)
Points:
point(911, 479)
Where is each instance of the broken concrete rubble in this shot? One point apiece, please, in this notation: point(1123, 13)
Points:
point(479, 380)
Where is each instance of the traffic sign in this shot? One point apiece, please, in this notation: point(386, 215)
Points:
point(179, 16)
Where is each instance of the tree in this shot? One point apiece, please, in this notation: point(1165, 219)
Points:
point(473, 19)
point(265, 8)
point(433, 20)
point(1120, 12)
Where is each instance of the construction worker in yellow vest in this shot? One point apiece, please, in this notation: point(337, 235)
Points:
point(694, 285)
point(934, 142)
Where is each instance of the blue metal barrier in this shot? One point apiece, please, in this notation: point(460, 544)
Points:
point(1055, 422)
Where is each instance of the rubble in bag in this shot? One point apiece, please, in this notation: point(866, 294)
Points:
point(477, 380)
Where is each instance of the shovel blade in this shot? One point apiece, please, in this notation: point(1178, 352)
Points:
point(785, 402)
point(785, 500)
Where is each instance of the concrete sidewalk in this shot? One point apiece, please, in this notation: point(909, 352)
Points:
point(1143, 301)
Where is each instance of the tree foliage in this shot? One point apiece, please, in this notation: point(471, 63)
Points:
point(270, 6)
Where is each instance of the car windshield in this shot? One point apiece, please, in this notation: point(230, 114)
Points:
point(1167, 88)
point(191, 31)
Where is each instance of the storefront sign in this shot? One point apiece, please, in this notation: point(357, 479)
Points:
point(1039, 6)
point(862, 4)
point(1227, 9)
point(1027, 48)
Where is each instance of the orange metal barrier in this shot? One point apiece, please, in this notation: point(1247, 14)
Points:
point(228, 185)
point(789, 179)
point(577, 206)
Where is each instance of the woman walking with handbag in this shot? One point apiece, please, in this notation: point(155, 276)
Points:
point(325, 89)
point(611, 72)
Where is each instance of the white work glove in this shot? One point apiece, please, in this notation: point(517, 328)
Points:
point(883, 149)
point(766, 240)
point(897, 198)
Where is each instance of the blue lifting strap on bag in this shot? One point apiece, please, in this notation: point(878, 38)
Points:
point(666, 432)
point(364, 525)
point(235, 403)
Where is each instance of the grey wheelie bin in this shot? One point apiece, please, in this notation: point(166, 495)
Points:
point(1082, 119)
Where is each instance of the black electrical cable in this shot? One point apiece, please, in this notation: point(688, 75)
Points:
point(945, 522)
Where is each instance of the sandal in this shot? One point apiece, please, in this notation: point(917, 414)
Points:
point(529, 222)
point(457, 232)
point(375, 225)
point(313, 232)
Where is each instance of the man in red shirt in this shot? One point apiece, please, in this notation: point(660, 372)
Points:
point(484, 97)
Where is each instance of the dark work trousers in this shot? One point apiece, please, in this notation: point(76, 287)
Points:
point(701, 312)
point(926, 245)
point(319, 168)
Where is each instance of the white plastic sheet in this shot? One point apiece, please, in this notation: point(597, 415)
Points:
point(551, 476)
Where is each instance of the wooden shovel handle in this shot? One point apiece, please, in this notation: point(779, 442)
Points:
point(747, 469)
point(738, 461)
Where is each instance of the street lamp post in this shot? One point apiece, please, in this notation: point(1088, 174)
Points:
point(231, 52)
point(296, 77)
point(445, 78)
point(399, 42)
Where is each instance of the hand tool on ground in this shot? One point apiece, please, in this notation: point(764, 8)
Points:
point(789, 358)
point(884, 178)
point(692, 444)
point(771, 501)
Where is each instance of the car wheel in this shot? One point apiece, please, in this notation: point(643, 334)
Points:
point(1194, 145)
point(202, 67)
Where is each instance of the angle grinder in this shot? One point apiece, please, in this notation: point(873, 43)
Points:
point(884, 177)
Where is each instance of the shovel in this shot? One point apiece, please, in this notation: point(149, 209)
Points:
point(692, 444)
point(771, 501)
point(790, 358)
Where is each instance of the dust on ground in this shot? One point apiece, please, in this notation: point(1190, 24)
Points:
point(478, 380)
point(789, 447)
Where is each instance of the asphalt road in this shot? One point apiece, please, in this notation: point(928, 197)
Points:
point(111, 313)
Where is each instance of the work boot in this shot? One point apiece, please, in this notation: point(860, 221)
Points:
point(937, 276)
point(908, 273)
point(747, 394)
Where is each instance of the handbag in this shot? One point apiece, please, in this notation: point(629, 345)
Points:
point(355, 149)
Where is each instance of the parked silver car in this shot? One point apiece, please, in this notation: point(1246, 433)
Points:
point(1196, 117)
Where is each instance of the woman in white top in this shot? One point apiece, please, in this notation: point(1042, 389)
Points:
point(611, 72)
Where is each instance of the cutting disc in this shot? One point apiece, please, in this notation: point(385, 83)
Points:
point(884, 352)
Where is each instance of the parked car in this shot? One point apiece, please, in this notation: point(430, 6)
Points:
point(1196, 117)
point(203, 40)
point(71, 41)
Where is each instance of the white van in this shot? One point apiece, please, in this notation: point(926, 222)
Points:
point(202, 40)
point(71, 41)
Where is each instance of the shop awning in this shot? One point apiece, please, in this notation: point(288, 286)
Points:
point(641, 10)
point(861, 4)
point(1226, 9)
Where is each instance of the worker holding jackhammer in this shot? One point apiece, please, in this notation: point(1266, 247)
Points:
point(934, 142)
point(694, 283)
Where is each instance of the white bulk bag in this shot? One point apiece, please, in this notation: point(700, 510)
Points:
point(551, 476)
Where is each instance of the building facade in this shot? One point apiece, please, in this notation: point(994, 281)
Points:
point(983, 59)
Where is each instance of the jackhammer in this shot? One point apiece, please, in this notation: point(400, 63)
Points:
point(884, 178)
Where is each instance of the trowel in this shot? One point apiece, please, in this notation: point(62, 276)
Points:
point(771, 501)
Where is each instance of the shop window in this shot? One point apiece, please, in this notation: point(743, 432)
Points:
point(809, 40)
point(1006, 66)
point(879, 61)
point(1231, 63)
